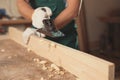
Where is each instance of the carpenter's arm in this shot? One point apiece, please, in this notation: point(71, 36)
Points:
point(25, 9)
point(68, 14)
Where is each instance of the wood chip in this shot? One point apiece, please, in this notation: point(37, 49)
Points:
point(2, 50)
point(36, 60)
point(51, 75)
point(61, 72)
point(50, 69)
point(41, 78)
point(28, 49)
point(43, 62)
point(44, 67)
point(55, 67)
point(9, 57)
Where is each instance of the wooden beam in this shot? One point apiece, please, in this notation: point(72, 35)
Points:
point(81, 64)
point(15, 22)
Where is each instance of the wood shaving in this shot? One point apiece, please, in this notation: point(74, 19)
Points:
point(36, 60)
point(43, 62)
point(42, 78)
point(28, 49)
point(2, 50)
point(55, 67)
point(44, 67)
point(9, 57)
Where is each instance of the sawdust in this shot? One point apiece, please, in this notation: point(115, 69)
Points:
point(17, 63)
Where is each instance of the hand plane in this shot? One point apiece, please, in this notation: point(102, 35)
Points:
point(49, 29)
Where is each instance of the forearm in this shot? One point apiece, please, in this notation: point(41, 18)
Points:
point(64, 18)
point(25, 9)
point(68, 14)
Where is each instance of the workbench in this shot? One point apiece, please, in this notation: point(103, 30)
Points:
point(11, 22)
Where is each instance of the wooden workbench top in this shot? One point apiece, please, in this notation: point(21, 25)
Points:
point(14, 22)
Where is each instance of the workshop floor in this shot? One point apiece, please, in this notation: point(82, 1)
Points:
point(18, 63)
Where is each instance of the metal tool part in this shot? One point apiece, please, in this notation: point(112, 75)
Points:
point(50, 29)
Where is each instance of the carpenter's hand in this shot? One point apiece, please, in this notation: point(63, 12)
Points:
point(39, 15)
point(28, 32)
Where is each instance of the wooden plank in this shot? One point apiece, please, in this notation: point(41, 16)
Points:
point(81, 64)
